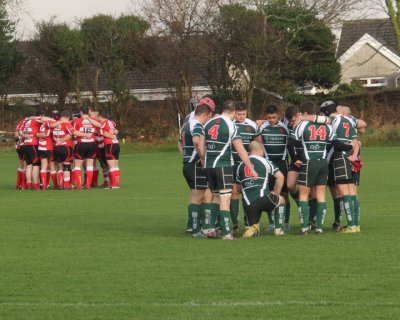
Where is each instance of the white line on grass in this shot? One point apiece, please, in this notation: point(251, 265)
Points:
point(197, 304)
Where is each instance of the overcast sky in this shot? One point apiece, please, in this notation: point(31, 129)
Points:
point(70, 11)
point(66, 11)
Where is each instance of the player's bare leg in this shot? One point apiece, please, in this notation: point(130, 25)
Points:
point(78, 172)
point(89, 172)
point(43, 172)
point(235, 208)
point(66, 167)
point(113, 165)
point(291, 182)
point(53, 173)
point(60, 175)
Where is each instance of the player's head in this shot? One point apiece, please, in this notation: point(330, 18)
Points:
point(208, 101)
point(328, 107)
point(102, 115)
point(39, 113)
point(271, 114)
point(75, 115)
point(90, 109)
point(55, 115)
point(241, 111)
point(94, 114)
point(85, 110)
point(28, 115)
point(193, 103)
point(344, 109)
point(256, 149)
point(229, 108)
point(308, 107)
point(203, 113)
point(291, 114)
point(65, 114)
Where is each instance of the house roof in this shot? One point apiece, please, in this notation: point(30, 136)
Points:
point(380, 29)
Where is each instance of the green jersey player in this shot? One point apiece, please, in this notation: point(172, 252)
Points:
point(221, 134)
point(192, 147)
point(248, 131)
point(314, 167)
point(257, 196)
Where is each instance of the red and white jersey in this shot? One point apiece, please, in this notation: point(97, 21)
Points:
point(107, 126)
point(31, 128)
point(99, 139)
point(60, 132)
point(46, 143)
point(85, 126)
point(19, 130)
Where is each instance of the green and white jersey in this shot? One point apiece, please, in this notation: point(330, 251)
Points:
point(346, 131)
point(247, 130)
point(220, 132)
point(190, 130)
point(275, 140)
point(314, 137)
point(253, 190)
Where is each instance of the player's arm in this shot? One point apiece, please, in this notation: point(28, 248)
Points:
point(92, 121)
point(77, 133)
point(109, 135)
point(66, 138)
point(258, 139)
point(244, 156)
point(199, 143)
point(280, 180)
point(313, 118)
point(361, 124)
point(56, 124)
point(41, 135)
point(180, 148)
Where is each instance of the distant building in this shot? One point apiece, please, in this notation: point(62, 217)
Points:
point(367, 51)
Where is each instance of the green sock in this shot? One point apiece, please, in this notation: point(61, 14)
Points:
point(279, 213)
point(214, 214)
point(295, 197)
point(321, 212)
point(313, 210)
point(189, 221)
point(336, 206)
point(349, 209)
point(303, 212)
point(356, 205)
point(205, 215)
point(196, 217)
point(224, 218)
point(235, 211)
point(287, 212)
point(270, 217)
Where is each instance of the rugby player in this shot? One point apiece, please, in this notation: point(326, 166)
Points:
point(111, 148)
point(21, 173)
point(257, 196)
point(274, 135)
point(248, 131)
point(192, 148)
point(221, 133)
point(314, 167)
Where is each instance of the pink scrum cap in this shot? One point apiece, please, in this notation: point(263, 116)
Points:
point(208, 102)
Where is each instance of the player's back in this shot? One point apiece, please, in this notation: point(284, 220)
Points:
point(345, 129)
point(219, 134)
point(85, 126)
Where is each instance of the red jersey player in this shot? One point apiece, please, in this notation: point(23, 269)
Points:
point(21, 177)
point(111, 148)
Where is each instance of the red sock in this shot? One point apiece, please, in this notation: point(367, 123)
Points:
point(89, 176)
point(47, 178)
point(36, 186)
point(53, 175)
point(43, 179)
point(67, 182)
point(60, 178)
point(117, 175)
point(95, 179)
point(73, 177)
point(78, 177)
point(19, 178)
point(106, 177)
point(23, 182)
point(85, 177)
point(30, 185)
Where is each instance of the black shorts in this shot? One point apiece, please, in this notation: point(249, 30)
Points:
point(266, 203)
point(313, 172)
point(356, 178)
point(63, 154)
point(219, 178)
point(31, 155)
point(195, 176)
point(46, 154)
point(111, 151)
point(282, 165)
point(85, 150)
point(21, 155)
point(343, 170)
point(331, 175)
point(293, 167)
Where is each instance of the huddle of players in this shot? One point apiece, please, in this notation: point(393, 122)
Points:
point(217, 167)
point(45, 144)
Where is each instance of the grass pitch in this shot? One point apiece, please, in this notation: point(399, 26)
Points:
point(123, 254)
